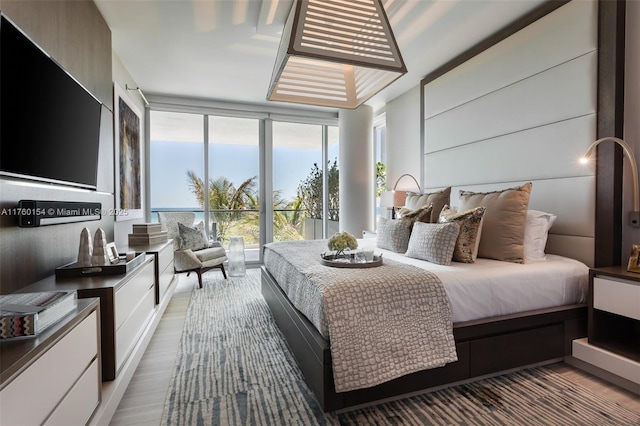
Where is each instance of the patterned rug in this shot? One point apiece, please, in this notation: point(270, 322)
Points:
point(234, 368)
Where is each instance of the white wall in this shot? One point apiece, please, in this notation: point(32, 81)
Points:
point(403, 139)
point(631, 117)
point(403, 126)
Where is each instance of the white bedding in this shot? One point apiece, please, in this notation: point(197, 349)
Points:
point(489, 288)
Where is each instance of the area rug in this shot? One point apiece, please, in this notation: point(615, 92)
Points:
point(234, 368)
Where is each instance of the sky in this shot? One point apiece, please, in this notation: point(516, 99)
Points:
point(170, 162)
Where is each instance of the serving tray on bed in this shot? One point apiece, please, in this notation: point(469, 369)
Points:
point(349, 261)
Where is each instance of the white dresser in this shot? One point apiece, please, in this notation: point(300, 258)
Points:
point(53, 378)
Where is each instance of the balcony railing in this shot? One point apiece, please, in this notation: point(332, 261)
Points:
point(289, 224)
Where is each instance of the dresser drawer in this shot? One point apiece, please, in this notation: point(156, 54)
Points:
point(35, 394)
point(165, 256)
point(129, 295)
point(78, 406)
point(128, 333)
point(617, 296)
point(165, 280)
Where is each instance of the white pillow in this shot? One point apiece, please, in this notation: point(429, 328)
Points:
point(535, 233)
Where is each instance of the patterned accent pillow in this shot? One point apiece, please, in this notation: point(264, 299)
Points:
point(393, 234)
point(192, 237)
point(470, 222)
point(433, 242)
point(438, 199)
point(504, 221)
point(421, 214)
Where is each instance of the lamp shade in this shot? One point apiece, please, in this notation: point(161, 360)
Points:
point(386, 199)
point(399, 198)
point(335, 53)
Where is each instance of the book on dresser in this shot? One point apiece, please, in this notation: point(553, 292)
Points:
point(145, 234)
point(24, 315)
point(146, 228)
point(139, 238)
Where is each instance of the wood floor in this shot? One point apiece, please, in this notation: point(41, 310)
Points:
point(143, 400)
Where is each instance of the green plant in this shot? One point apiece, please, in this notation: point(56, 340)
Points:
point(310, 192)
point(381, 178)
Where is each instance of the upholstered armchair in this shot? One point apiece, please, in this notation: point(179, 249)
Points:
point(193, 252)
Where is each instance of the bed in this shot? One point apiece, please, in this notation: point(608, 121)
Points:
point(506, 326)
point(463, 292)
point(471, 109)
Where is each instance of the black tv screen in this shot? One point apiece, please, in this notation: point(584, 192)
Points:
point(49, 123)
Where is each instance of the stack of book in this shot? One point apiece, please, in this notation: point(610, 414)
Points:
point(25, 315)
point(146, 234)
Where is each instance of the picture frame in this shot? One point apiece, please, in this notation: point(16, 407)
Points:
point(634, 260)
point(128, 156)
point(112, 253)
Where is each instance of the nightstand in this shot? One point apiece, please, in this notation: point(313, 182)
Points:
point(614, 311)
point(613, 342)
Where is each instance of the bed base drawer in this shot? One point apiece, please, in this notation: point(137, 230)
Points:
point(499, 353)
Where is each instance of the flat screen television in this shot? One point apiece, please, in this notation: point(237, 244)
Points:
point(49, 123)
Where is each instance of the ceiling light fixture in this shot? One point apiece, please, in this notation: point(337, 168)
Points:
point(335, 53)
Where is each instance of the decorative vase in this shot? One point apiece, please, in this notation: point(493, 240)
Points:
point(85, 249)
point(339, 254)
point(100, 256)
point(237, 267)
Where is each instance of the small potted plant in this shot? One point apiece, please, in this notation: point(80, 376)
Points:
point(341, 242)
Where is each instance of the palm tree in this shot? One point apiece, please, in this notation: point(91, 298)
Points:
point(287, 218)
point(225, 200)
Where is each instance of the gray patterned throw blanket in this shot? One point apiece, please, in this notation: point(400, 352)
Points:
point(382, 322)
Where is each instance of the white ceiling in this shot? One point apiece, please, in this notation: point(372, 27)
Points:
point(225, 49)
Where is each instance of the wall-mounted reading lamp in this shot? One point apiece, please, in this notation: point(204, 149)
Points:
point(634, 215)
point(393, 198)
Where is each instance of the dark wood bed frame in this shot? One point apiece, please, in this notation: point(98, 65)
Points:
point(484, 347)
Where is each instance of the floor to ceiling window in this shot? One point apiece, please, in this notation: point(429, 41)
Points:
point(299, 196)
point(211, 164)
point(234, 204)
point(176, 151)
point(380, 147)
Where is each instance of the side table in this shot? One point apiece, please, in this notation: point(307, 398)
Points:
point(612, 349)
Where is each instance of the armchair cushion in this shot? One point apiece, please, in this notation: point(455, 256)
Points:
point(211, 256)
point(192, 237)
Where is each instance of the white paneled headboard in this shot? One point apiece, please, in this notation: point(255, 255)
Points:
point(523, 110)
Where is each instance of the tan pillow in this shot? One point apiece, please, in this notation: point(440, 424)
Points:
point(468, 241)
point(437, 199)
point(504, 221)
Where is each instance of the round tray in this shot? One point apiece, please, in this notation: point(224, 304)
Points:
point(347, 262)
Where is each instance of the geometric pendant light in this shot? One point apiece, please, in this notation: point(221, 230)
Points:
point(336, 53)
